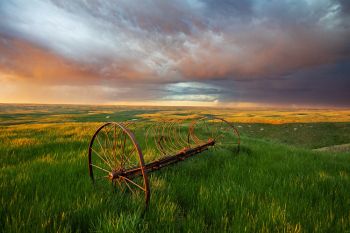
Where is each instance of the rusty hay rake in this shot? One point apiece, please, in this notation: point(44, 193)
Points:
point(116, 156)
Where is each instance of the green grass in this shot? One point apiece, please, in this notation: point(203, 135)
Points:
point(305, 135)
point(269, 187)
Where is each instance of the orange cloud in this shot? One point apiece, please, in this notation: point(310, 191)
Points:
point(26, 62)
point(30, 63)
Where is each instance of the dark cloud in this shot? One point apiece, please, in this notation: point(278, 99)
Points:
point(326, 85)
point(231, 50)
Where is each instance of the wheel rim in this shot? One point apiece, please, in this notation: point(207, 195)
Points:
point(114, 150)
point(223, 132)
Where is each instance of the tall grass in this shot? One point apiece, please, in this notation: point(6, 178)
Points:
point(268, 187)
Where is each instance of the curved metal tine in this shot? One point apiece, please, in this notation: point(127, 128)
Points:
point(178, 140)
point(221, 133)
point(173, 135)
point(124, 143)
point(186, 132)
point(201, 129)
point(117, 135)
point(130, 125)
point(220, 129)
point(148, 138)
point(169, 138)
point(117, 142)
point(127, 124)
point(127, 154)
point(158, 137)
point(161, 137)
point(232, 138)
point(231, 129)
point(119, 139)
point(191, 132)
point(196, 125)
point(163, 142)
point(152, 141)
point(223, 127)
point(169, 142)
point(210, 127)
point(130, 154)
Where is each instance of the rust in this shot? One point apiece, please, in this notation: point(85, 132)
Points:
point(115, 155)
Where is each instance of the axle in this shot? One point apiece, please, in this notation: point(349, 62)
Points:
point(163, 162)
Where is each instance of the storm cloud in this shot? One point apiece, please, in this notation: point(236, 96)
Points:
point(274, 52)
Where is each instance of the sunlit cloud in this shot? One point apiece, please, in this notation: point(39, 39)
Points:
point(184, 50)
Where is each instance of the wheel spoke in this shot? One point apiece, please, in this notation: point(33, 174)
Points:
point(112, 146)
point(114, 149)
point(132, 182)
point(128, 186)
point(120, 185)
point(107, 141)
point(128, 156)
point(101, 158)
point(99, 168)
point(104, 152)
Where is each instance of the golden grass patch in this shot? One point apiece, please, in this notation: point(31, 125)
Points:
point(256, 116)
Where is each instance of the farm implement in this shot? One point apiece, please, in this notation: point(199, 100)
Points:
point(115, 153)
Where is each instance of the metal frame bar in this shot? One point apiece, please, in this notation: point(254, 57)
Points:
point(164, 161)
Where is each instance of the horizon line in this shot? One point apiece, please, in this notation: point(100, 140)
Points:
point(232, 106)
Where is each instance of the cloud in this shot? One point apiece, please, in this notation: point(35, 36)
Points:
point(150, 47)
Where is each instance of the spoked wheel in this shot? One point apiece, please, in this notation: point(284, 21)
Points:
point(113, 151)
point(221, 131)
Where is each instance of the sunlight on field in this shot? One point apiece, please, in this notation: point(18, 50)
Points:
point(263, 116)
point(25, 114)
point(45, 184)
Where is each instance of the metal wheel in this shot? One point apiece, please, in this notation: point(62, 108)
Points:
point(113, 151)
point(221, 131)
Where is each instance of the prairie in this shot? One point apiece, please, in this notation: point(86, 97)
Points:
point(277, 183)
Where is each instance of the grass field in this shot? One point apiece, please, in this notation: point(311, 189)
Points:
point(277, 183)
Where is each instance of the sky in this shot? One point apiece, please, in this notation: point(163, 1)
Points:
point(178, 52)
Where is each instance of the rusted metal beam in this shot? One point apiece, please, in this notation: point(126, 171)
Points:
point(163, 162)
